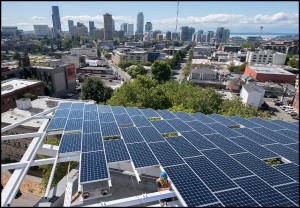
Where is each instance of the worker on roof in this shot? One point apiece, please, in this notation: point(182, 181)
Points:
point(162, 185)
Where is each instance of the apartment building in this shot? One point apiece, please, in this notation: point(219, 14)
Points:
point(266, 57)
point(128, 55)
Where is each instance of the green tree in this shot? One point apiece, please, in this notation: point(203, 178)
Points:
point(293, 62)
point(161, 71)
point(231, 67)
point(29, 96)
point(16, 55)
point(137, 70)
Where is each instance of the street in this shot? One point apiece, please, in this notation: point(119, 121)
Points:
point(122, 74)
point(278, 112)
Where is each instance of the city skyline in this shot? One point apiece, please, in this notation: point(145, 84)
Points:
point(276, 17)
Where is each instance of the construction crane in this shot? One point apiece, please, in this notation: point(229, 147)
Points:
point(261, 27)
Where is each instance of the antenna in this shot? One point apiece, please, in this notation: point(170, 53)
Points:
point(261, 27)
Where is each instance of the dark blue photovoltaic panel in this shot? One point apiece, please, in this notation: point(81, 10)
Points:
point(149, 113)
point(191, 188)
point(70, 143)
point(253, 147)
point(223, 120)
point(285, 125)
point(183, 147)
point(91, 126)
point(165, 114)
point(90, 115)
point(91, 142)
point(106, 117)
point(273, 135)
point(296, 123)
point(265, 124)
point(294, 147)
point(291, 134)
point(200, 127)
point(131, 135)
point(184, 116)
point(284, 152)
point(57, 123)
point(199, 141)
point(165, 154)
point(236, 198)
point(134, 111)
point(61, 113)
point(76, 114)
point(224, 144)
point(179, 125)
point(203, 118)
point(289, 169)
point(118, 110)
point(262, 169)
point(141, 155)
point(90, 107)
point(109, 129)
point(243, 121)
point(140, 121)
point(223, 130)
point(115, 150)
point(77, 106)
point(123, 120)
point(256, 137)
point(214, 205)
point(93, 167)
point(73, 124)
point(163, 127)
point(150, 134)
point(291, 191)
point(64, 106)
point(215, 179)
point(104, 109)
point(226, 163)
point(263, 193)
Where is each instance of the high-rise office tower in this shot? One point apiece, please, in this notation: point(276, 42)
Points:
point(91, 27)
point(70, 23)
point(130, 29)
point(219, 34)
point(191, 32)
point(140, 23)
point(148, 27)
point(124, 27)
point(108, 26)
point(168, 35)
point(225, 36)
point(113, 25)
point(56, 18)
point(79, 24)
point(184, 33)
point(41, 31)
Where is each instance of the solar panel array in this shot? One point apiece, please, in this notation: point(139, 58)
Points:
point(209, 163)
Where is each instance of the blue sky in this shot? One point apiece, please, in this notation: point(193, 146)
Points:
point(241, 16)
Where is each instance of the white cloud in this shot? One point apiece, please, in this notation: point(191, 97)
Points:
point(37, 18)
point(23, 24)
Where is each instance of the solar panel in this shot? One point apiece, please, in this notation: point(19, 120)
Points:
point(106, 117)
point(289, 169)
point(184, 116)
point(256, 137)
point(90, 107)
point(253, 147)
point(263, 170)
point(140, 121)
point(223, 130)
point(199, 141)
point(149, 113)
point(141, 155)
point(61, 113)
point(131, 135)
point(224, 144)
point(265, 124)
point(273, 135)
point(57, 123)
point(165, 154)
point(191, 188)
point(90, 115)
point(179, 125)
point(93, 167)
point(165, 114)
point(133, 111)
point(214, 178)
point(74, 125)
point(223, 120)
point(243, 121)
point(285, 152)
point(123, 120)
point(91, 126)
point(77, 106)
point(291, 134)
point(291, 191)
point(70, 143)
point(203, 118)
point(263, 193)
point(285, 125)
point(109, 129)
point(294, 147)
point(200, 127)
point(150, 134)
point(214, 205)
point(296, 123)
point(226, 163)
point(63, 106)
point(115, 151)
point(183, 147)
point(76, 114)
point(163, 127)
point(104, 109)
point(118, 110)
point(91, 142)
point(236, 198)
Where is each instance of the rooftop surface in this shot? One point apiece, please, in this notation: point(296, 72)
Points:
point(13, 84)
point(265, 69)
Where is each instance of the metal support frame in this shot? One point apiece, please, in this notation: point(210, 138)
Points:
point(109, 183)
point(21, 136)
point(51, 177)
point(135, 173)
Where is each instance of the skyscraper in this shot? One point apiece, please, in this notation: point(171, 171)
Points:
point(70, 23)
point(91, 27)
point(113, 25)
point(124, 28)
point(219, 34)
point(168, 35)
point(130, 29)
point(184, 33)
point(108, 29)
point(148, 27)
point(225, 36)
point(191, 32)
point(140, 23)
point(56, 18)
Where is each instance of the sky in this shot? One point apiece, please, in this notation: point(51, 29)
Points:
point(238, 16)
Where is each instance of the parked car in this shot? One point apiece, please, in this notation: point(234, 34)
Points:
point(273, 96)
point(289, 112)
point(294, 114)
point(296, 117)
point(279, 103)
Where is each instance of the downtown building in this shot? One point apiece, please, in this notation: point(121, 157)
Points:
point(108, 26)
point(148, 27)
point(56, 19)
point(140, 24)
